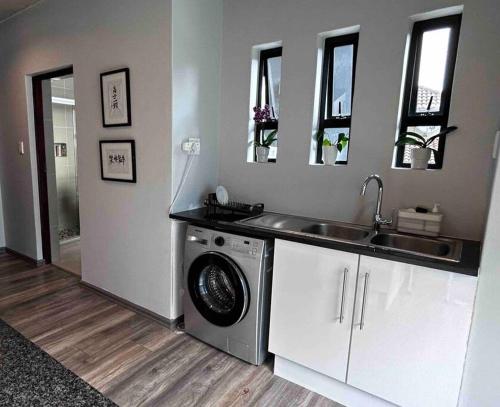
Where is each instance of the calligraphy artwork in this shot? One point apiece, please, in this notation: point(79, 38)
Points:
point(118, 160)
point(115, 95)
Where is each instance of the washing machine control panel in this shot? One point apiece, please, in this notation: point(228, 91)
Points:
point(246, 246)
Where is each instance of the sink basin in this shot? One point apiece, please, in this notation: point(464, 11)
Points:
point(276, 221)
point(436, 248)
point(308, 226)
point(433, 248)
point(336, 231)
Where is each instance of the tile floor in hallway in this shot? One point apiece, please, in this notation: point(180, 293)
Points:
point(70, 257)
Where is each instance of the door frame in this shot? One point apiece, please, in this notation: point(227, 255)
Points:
point(41, 157)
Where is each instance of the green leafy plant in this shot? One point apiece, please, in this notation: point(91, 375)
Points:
point(325, 141)
point(268, 140)
point(411, 138)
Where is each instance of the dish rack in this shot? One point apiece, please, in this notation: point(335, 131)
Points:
point(214, 207)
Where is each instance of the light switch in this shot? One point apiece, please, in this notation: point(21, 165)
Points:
point(21, 147)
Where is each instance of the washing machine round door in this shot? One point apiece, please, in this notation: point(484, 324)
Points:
point(218, 289)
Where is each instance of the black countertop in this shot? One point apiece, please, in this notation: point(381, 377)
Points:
point(468, 265)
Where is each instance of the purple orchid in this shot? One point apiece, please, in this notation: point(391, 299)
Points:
point(262, 114)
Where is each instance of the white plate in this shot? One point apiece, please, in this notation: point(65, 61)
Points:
point(222, 195)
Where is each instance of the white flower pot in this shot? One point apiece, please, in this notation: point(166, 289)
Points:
point(329, 155)
point(262, 154)
point(420, 158)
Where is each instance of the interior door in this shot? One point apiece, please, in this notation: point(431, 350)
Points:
point(312, 288)
point(410, 338)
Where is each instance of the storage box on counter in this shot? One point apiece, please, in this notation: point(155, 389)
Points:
point(428, 224)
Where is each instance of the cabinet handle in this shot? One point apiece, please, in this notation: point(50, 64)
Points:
point(363, 304)
point(341, 317)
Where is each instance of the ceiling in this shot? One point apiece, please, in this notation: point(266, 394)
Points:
point(10, 7)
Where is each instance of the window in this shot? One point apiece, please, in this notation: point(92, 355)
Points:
point(428, 82)
point(268, 93)
point(337, 90)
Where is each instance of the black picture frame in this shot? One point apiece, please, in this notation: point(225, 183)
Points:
point(133, 176)
point(127, 121)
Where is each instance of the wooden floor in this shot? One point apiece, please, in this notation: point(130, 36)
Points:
point(128, 357)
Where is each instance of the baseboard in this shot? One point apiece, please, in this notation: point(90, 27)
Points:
point(326, 386)
point(36, 263)
point(169, 323)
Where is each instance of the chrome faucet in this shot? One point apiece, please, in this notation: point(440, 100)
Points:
point(377, 218)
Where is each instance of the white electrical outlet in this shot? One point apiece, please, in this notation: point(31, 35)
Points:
point(21, 147)
point(192, 146)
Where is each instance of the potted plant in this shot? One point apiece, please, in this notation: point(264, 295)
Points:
point(421, 154)
point(262, 148)
point(263, 115)
point(331, 149)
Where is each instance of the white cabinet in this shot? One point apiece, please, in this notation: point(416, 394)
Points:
point(408, 341)
point(308, 288)
point(411, 348)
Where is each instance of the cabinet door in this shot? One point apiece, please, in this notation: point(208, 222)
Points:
point(411, 348)
point(306, 304)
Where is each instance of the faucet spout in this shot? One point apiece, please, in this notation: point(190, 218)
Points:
point(377, 217)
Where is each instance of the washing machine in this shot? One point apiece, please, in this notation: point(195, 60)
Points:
point(227, 282)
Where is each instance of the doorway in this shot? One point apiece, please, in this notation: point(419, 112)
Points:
point(56, 140)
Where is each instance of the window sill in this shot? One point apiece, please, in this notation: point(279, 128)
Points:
point(326, 166)
point(267, 163)
point(412, 169)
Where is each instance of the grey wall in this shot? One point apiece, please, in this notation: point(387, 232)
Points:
point(462, 186)
point(125, 229)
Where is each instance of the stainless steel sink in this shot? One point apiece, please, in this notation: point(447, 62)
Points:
point(306, 226)
point(336, 231)
point(277, 221)
point(434, 248)
point(449, 249)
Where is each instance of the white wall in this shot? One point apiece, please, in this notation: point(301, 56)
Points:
point(292, 185)
point(480, 383)
point(125, 228)
point(196, 43)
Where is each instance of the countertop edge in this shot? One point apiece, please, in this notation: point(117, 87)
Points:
point(469, 264)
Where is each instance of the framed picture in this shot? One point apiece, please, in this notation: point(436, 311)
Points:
point(115, 98)
point(118, 160)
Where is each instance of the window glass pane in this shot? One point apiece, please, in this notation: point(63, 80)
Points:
point(333, 135)
point(431, 69)
point(426, 131)
point(273, 150)
point(342, 80)
point(274, 73)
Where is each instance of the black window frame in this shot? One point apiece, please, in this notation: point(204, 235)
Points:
point(263, 75)
point(409, 115)
point(326, 119)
